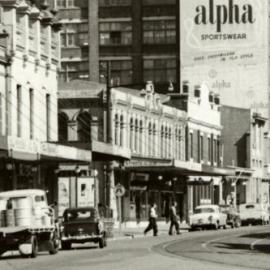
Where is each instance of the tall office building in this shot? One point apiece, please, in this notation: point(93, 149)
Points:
point(139, 39)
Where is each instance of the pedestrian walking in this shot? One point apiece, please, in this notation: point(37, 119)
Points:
point(174, 219)
point(152, 221)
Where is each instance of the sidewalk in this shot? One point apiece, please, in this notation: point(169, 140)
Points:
point(130, 233)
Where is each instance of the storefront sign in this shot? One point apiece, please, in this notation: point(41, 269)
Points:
point(224, 43)
point(63, 195)
point(23, 145)
point(85, 191)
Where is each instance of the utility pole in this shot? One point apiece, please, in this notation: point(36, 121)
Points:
point(110, 171)
point(109, 103)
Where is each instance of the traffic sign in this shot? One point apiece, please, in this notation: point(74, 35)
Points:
point(119, 190)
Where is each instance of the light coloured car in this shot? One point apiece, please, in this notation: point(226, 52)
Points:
point(254, 213)
point(208, 216)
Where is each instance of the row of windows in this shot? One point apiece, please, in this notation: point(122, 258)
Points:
point(148, 139)
point(211, 152)
point(65, 3)
point(156, 70)
point(120, 33)
point(109, 3)
point(159, 32)
point(83, 127)
point(20, 113)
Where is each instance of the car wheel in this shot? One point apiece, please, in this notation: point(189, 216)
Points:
point(2, 251)
point(102, 242)
point(65, 245)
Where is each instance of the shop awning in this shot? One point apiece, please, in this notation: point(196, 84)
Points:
point(51, 151)
point(178, 167)
point(102, 151)
point(32, 150)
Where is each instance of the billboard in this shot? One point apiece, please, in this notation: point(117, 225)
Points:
point(85, 191)
point(224, 43)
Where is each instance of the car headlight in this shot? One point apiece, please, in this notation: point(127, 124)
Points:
point(210, 218)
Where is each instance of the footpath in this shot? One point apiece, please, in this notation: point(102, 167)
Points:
point(137, 232)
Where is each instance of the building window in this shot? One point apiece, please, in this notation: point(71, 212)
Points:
point(218, 153)
point(31, 112)
point(122, 128)
point(105, 3)
point(62, 127)
point(115, 33)
point(1, 114)
point(19, 110)
point(70, 3)
point(131, 139)
point(209, 149)
point(159, 32)
point(48, 116)
point(215, 150)
point(191, 145)
point(162, 141)
point(201, 147)
point(116, 129)
point(159, 70)
point(121, 72)
point(141, 137)
point(61, 3)
point(70, 40)
point(84, 127)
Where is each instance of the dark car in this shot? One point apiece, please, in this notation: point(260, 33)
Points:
point(233, 216)
point(81, 225)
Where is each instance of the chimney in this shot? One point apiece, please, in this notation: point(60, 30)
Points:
point(217, 99)
point(185, 86)
point(197, 91)
point(211, 97)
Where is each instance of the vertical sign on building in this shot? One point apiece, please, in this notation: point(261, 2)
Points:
point(224, 43)
point(63, 194)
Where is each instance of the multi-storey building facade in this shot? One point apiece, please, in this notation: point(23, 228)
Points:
point(140, 39)
point(203, 142)
point(160, 167)
point(244, 137)
point(28, 98)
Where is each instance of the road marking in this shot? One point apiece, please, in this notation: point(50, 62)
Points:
point(256, 242)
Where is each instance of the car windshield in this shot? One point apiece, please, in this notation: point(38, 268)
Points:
point(78, 215)
point(204, 210)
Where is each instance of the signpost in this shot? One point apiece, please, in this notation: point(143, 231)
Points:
point(119, 191)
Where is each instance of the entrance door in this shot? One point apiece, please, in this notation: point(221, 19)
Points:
point(179, 198)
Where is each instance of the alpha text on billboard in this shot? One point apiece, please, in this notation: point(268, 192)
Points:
point(219, 15)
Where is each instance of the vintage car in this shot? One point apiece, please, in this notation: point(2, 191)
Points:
point(254, 213)
point(233, 216)
point(208, 216)
point(81, 225)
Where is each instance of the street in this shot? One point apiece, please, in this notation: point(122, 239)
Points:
point(243, 248)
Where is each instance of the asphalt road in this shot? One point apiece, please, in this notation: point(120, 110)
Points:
point(244, 248)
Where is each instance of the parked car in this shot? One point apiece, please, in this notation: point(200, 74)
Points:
point(208, 216)
point(233, 216)
point(81, 225)
point(254, 213)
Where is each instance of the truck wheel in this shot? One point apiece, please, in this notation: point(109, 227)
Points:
point(54, 247)
point(34, 244)
point(65, 245)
